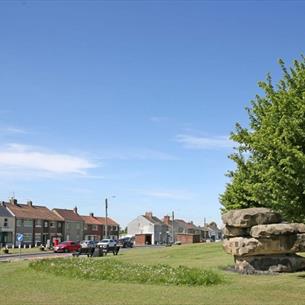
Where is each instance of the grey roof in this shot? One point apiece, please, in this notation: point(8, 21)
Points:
point(154, 220)
point(4, 212)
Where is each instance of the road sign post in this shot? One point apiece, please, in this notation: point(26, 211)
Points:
point(19, 238)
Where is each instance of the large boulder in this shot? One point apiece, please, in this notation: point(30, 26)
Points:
point(246, 218)
point(281, 244)
point(229, 231)
point(277, 229)
point(270, 263)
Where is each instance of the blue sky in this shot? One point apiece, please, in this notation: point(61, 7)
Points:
point(132, 99)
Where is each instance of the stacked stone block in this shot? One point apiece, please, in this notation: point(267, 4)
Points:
point(261, 243)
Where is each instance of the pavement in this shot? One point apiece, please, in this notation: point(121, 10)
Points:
point(26, 256)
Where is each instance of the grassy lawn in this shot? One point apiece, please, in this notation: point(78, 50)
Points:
point(21, 285)
point(23, 251)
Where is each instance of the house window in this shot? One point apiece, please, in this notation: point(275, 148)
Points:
point(38, 223)
point(46, 224)
point(114, 228)
point(27, 237)
point(19, 223)
point(37, 237)
point(5, 224)
point(28, 223)
point(77, 226)
point(52, 224)
point(85, 227)
point(59, 224)
point(94, 227)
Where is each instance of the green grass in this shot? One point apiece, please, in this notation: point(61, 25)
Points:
point(22, 285)
point(23, 251)
point(119, 271)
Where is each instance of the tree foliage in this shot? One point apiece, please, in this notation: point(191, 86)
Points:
point(270, 153)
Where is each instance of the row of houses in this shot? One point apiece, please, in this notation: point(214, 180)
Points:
point(40, 225)
point(149, 229)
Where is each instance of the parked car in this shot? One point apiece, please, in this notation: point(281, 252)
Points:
point(125, 242)
point(107, 243)
point(67, 246)
point(88, 243)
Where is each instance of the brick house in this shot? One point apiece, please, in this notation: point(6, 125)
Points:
point(73, 224)
point(94, 227)
point(113, 228)
point(37, 223)
point(7, 226)
point(185, 232)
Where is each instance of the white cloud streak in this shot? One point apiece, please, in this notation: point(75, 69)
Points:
point(202, 143)
point(12, 130)
point(22, 158)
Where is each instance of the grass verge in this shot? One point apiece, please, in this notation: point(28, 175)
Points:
point(118, 271)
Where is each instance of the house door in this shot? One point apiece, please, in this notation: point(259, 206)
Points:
point(148, 239)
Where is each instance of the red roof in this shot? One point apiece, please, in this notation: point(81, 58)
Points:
point(68, 214)
point(110, 221)
point(27, 211)
point(91, 220)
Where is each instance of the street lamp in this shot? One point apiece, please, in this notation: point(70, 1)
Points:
point(106, 216)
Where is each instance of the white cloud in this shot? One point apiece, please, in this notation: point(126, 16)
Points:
point(25, 158)
point(197, 142)
point(12, 130)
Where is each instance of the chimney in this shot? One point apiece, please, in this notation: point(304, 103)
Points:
point(91, 214)
point(148, 215)
point(75, 210)
point(13, 201)
point(166, 220)
point(29, 203)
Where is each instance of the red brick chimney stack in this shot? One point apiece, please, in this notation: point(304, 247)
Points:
point(166, 219)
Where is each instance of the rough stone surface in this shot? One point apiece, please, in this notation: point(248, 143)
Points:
point(246, 218)
point(277, 229)
point(240, 246)
point(270, 263)
point(281, 244)
point(229, 231)
point(299, 245)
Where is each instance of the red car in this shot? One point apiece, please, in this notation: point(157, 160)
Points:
point(67, 246)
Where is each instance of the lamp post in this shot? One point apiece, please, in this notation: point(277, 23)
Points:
point(106, 216)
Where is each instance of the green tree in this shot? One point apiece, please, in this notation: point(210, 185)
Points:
point(270, 153)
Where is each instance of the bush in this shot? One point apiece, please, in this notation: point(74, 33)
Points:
point(117, 271)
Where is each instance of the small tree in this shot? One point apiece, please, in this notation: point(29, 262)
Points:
point(270, 155)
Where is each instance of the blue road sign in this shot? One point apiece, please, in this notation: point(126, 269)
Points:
point(19, 237)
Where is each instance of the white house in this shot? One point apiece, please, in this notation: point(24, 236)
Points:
point(148, 229)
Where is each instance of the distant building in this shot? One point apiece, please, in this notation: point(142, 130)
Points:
point(94, 227)
point(184, 232)
point(211, 231)
point(148, 230)
point(7, 226)
point(37, 223)
point(73, 224)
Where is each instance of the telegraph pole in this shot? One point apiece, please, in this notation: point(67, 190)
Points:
point(173, 236)
point(106, 220)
